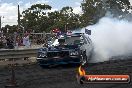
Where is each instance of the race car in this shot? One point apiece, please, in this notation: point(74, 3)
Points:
point(68, 49)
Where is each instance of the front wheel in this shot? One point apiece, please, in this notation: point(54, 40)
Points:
point(80, 79)
point(83, 58)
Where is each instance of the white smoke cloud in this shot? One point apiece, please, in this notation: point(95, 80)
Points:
point(111, 37)
point(130, 2)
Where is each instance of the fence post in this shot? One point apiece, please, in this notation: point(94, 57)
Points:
point(15, 35)
point(12, 81)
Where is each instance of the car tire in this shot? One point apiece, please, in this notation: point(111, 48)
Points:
point(80, 79)
point(83, 58)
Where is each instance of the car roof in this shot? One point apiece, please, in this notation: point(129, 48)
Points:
point(75, 35)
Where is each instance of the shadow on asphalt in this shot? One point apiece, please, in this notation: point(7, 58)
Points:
point(62, 66)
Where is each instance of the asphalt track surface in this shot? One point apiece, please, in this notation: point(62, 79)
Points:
point(33, 76)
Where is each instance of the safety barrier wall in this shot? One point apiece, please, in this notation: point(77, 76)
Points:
point(17, 53)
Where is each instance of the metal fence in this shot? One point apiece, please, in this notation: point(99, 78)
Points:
point(17, 53)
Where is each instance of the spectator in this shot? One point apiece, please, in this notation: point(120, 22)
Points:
point(1, 42)
point(26, 41)
point(10, 44)
point(4, 42)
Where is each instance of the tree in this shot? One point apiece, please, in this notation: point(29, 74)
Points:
point(9, 29)
point(35, 17)
point(118, 8)
point(93, 10)
point(39, 19)
point(69, 19)
point(64, 19)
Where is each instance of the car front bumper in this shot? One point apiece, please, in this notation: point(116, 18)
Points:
point(59, 60)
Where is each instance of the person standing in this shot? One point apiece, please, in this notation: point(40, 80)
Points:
point(4, 42)
point(10, 44)
point(26, 41)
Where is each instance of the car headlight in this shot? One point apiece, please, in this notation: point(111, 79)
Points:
point(42, 54)
point(73, 53)
point(42, 49)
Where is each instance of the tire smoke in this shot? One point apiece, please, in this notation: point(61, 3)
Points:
point(111, 37)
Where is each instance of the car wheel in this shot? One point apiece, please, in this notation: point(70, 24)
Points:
point(80, 79)
point(83, 58)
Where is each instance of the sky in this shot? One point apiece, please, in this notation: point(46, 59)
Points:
point(8, 8)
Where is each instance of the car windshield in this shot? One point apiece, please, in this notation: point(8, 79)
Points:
point(74, 40)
